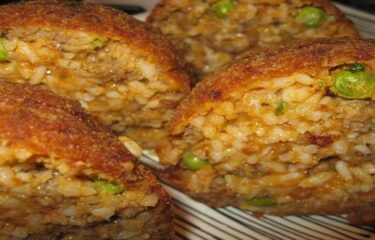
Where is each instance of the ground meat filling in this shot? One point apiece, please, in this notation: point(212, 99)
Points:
point(289, 141)
point(211, 33)
point(110, 79)
point(39, 201)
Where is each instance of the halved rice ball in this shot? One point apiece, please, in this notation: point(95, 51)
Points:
point(64, 176)
point(211, 33)
point(120, 69)
point(283, 130)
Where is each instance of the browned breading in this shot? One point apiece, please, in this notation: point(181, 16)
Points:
point(219, 197)
point(48, 125)
point(112, 24)
point(252, 134)
point(258, 65)
point(38, 120)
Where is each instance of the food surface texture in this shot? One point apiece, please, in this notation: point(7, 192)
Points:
point(64, 176)
point(293, 137)
point(119, 69)
point(211, 33)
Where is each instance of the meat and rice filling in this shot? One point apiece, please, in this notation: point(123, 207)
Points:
point(63, 175)
point(109, 79)
point(41, 200)
point(290, 142)
point(293, 144)
point(210, 33)
point(121, 70)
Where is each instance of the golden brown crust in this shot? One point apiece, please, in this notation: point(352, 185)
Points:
point(49, 125)
point(359, 209)
point(259, 65)
point(102, 21)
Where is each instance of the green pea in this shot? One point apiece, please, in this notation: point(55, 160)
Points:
point(357, 67)
point(222, 8)
point(3, 52)
point(280, 107)
point(262, 202)
point(354, 85)
point(99, 43)
point(109, 187)
point(72, 3)
point(312, 17)
point(321, 84)
point(193, 162)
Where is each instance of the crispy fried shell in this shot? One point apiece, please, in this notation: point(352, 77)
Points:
point(38, 120)
point(256, 66)
point(101, 20)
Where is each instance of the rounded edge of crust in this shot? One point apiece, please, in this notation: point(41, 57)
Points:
point(103, 21)
point(36, 119)
point(260, 64)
